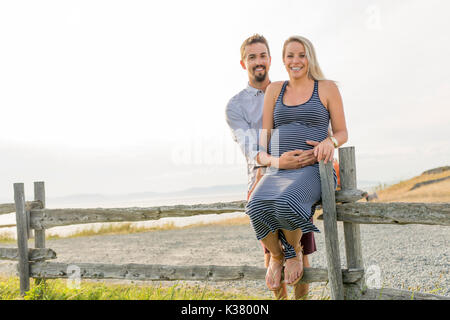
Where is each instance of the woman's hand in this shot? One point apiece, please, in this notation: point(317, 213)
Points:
point(325, 150)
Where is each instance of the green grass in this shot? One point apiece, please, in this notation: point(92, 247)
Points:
point(58, 289)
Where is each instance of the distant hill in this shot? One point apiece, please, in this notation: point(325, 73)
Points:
point(431, 186)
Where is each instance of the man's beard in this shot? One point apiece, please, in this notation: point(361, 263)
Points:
point(260, 78)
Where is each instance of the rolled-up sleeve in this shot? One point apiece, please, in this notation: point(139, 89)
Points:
point(242, 133)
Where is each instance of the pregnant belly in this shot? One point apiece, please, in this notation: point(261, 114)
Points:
point(293, 136)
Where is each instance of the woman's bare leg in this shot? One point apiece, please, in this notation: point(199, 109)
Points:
point(294, 266)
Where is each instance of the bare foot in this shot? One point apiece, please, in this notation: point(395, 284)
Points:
point(293, 271)
point(273, 275)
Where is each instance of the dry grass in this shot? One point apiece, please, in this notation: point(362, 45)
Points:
point(400, 192)
point(127, 228)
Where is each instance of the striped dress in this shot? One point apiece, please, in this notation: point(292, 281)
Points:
point(285, 198)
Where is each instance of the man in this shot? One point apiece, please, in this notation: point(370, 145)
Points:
point(244, 116)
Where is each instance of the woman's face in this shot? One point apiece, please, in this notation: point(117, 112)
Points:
point(295, 60)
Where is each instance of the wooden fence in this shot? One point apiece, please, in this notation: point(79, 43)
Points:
point(338, 205)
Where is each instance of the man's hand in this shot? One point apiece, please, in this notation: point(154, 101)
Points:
point(298, 158)
point(290, 160)
point(308, 158)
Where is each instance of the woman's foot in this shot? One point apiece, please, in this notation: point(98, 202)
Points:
point(293, 270)
point(274, 272)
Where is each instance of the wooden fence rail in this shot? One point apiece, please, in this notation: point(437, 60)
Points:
point(51, 270)
point(337, 206)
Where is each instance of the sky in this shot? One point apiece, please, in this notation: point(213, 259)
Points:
point(118, 97)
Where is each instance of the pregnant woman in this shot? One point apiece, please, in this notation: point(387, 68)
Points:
point(295, 112)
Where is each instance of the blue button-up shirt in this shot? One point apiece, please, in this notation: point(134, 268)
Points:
point(244, 116)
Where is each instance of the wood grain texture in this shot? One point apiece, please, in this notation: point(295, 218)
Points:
point(331, 232)
point(33, 254)
point(352, 236)
point(394, 213)
point(11, 207)
point(48, 218)
point(53, 270)
point(22, 237)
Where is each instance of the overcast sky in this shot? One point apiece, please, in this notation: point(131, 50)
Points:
point(129, 96)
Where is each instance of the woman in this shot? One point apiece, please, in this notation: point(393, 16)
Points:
point(296, 112)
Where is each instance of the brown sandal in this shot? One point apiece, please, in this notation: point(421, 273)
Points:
point(298, 250)
point(279, 259)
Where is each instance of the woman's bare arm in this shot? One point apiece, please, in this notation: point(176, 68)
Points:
point(333, 102)
point(270, 97)
point(337, 116)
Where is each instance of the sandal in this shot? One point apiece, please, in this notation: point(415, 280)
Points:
point(278, 259)
point(299, 252)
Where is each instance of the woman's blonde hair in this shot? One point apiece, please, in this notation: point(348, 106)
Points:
point(314, 71)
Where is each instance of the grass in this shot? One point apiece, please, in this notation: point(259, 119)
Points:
point(58, 289)
point(400, 192)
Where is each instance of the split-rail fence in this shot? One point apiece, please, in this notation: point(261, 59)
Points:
point(340, 205)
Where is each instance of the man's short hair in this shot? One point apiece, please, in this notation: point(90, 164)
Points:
point(256, 38)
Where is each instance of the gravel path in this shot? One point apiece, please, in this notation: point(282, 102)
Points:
point(405, 257)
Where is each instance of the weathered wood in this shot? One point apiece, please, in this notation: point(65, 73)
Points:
point(353, 250)
point(397, 294)
point(49, 218)
point(347, 168)
point(39, 235)
point(52, 270)
point(39, 195)
point(33, 254)
point(11, 207)
point(394, 213)
point(22, 237)
point(350, 195)
point(331, 233)
point(6, 208)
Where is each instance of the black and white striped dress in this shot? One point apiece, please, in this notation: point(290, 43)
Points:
point(285, 199)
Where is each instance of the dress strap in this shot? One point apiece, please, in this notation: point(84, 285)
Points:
point(315, 94)
point(283, 88)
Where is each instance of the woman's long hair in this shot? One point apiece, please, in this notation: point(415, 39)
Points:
point(314, 71)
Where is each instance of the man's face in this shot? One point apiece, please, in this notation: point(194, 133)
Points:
point(256, 61)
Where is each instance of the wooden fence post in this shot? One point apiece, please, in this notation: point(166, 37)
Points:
point(22, 237)
point(347, 172)
point(39, 235)
point(331, 233)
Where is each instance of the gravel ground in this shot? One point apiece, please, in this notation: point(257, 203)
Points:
point(404, 257)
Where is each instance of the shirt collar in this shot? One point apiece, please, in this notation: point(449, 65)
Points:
point(253, 91)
